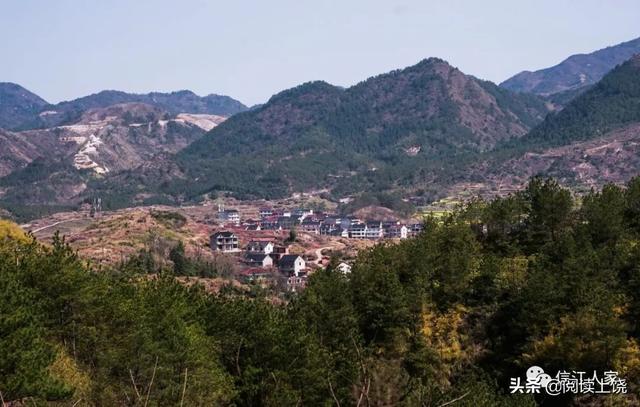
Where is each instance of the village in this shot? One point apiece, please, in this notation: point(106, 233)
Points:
point(264, 245)
point(269, 260)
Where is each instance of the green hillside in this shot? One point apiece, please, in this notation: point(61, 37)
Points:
point(611, 103)
point(405, 127)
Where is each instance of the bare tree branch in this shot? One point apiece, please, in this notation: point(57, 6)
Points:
point(135, 387)
point(184, 388)
point(153, 375)
point(333, 394)
point(455, 400)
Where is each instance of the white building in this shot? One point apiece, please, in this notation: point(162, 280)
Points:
point(374, 230)
point(229, 216)
point(358, 231)
point(292, 264)
point(260, 246)
point(258, 260)
point(396, 232)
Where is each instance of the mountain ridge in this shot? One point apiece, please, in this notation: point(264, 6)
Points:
point(417, 132)
point(410, 115)
point(18, 105)
point(573, 72)
point(32, 112)
point(594, 140)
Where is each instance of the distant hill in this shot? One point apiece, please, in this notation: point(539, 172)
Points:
point(18, 106)
point(574, 72)
point(411, 135)
point(183, 101)
point(46, 168)
point(23, 110)
point(613, 157)
point(389, 130)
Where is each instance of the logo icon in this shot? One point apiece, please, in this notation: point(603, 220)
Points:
point(576, 382)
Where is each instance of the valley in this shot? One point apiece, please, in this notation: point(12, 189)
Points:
point(372, 225)
point(109, 239)
point(418, 141)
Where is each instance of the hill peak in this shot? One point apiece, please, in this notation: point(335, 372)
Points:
point(312, 89)
point(317, 135)
point(432, 61)
point(18, 106)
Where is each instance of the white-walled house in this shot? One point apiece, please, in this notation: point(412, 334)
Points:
point(229, 216)
point(260, 246)
point(258, 260)
point(292, 264)
point(373, 230)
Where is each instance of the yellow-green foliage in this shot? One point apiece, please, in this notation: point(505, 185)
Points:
point(512, 274)
point(445, 333)
point(11, 231)
point(627, 361)
point(568, 343)
point(65, 369)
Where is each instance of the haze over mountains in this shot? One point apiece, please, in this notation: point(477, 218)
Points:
point(422, 131)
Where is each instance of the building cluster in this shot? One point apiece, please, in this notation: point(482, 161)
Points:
point(263, 260)
point(321, 223)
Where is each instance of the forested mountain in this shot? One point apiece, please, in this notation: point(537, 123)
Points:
point(454, 315)
point(18, 106)
point(611, 103)
point(594, 140)
point(573, 73)
point(426, 131)
point(386, 130)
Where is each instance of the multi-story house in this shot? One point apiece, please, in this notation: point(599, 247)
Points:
point(310, 226)
point(395, 231)
point(224, 242)
point(258, 260)
point(292, 264)
point(229, 216)
point(296, 283)
point(279, 251)
point(374, 230)
point(358, 231)
point(329, 228)
point(260, 246)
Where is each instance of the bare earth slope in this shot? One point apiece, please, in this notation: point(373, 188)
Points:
point(613, 158)
point(56, 166)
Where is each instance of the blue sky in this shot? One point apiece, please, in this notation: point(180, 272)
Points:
point(252, 49)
